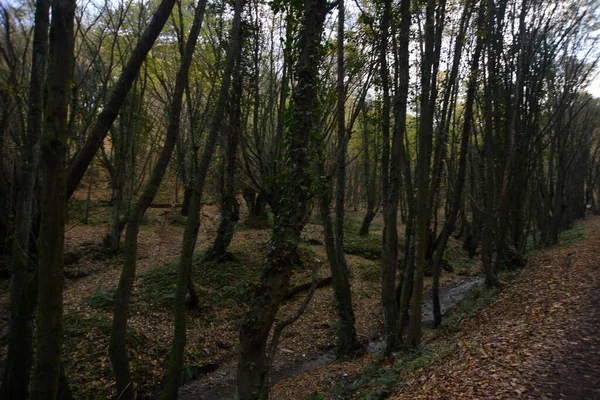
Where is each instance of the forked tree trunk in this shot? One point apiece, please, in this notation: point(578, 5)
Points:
point(230, 208)
point(53, 202)
point(253, 371)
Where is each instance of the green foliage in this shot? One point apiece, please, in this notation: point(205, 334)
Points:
point(378, 380)
point(572, 236)
point(369, 271)
point(566, 238)
point(368, 246)
point(228, 283)
point(101, 299)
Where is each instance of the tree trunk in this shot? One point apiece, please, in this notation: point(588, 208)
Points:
point(171, 388)
point(449, 225)
point(53, 202)
point(489, 189)
point(253, 381)
point(369, 180)
point(427, 105)
point(348, 343)
point(117, 344)
point(390, 236)
point(230, 208)
point(109, 113)
point(17, 367)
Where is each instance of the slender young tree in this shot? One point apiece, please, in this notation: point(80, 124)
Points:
point(334, 239)
point(457, 200)
point(171, 388)
point(117, 345)
point(230, 208)
point(427, 102)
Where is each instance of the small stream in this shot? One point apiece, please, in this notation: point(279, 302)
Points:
point(221, 384)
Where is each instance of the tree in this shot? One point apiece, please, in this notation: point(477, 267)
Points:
point(292, 209)
point(334, 235)
point(53, 164)
point(170, 390)
point(84, 156)
point(117, 348)
point(15, 382)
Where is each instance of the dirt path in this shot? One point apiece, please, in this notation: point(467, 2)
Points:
point(539, 340)
point(573, 371)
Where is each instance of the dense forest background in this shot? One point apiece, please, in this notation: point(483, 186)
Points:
point(187, 174)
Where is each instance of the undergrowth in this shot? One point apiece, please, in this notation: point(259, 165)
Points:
point(230, 283)
point(566, 238)
point(369, 271)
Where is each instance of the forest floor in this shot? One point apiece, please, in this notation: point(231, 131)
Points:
point(497, 343)
point(92, 273)
point(535, 338)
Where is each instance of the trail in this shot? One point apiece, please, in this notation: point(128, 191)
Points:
point(538, 340)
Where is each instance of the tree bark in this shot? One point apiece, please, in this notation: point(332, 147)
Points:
point(53, 202)
point(171, 388)
point(449, 225)
point(390, 235)
point(489, 186)
point(230, 208)
point(17, 367)
point(427, 105)
point(348, 343)
point(117, 344)
point(370, 178)
point(253, 382)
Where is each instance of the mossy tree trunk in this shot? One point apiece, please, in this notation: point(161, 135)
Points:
point(292, 210)
point(230, 208)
